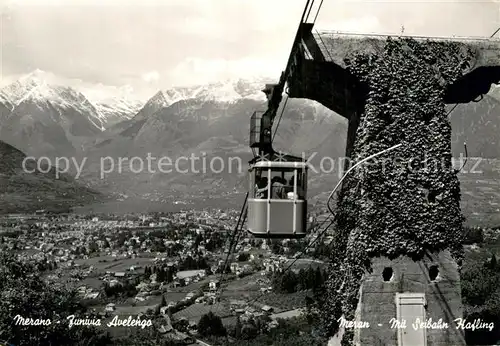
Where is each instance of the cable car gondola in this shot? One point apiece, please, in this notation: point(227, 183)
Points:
point(277, 200)
point(277, 208)
point(277, 204)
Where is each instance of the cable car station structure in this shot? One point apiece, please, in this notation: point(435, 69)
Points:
point(316, 70)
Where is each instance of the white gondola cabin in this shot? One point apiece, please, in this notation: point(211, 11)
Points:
point(277, 204)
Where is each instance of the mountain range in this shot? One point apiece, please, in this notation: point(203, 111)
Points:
point(210, 121)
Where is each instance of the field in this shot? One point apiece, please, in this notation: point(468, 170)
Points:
point(248, 288)
point(128, 310)
point(244, 288)
point(305, 263)
point(114, 264)
point(196, 311)
point(93, 282)
point(174, 296)
point(284, 302)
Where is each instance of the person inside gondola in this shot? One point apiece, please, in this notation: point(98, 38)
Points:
point(261, 188)
point(290, 193)
point(300, 191)
point(278, 188)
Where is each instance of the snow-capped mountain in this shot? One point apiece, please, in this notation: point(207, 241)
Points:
point(155, 103)
point(115, 104)
point(229, 91)
point(115, 110)
point(184, 119)
point(37, 87)
point(16, 91)
point(44, 119)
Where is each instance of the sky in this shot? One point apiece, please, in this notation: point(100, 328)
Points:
point(137, 47)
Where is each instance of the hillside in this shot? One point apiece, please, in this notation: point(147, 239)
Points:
point(211, 132)
point(21, 191)
point(478, 124)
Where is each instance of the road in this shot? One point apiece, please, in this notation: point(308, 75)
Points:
point(288, 314)
point(202, 343)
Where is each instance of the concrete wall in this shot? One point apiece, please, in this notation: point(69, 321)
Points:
point(377, 303)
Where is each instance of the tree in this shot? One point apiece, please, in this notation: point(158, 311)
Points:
point(202, 263)
point(319, 280)
point(478, 284)
point(311, 277)
point(302, 279)
point(106, 244)
point(24, 293)
point(249, 330)
point(243, 257)
point(189, 263)
point(237, 328)
point(210, 246)
point(473, 235)
point(197, 241)
point(158, 246)
point(182, 325)
point(289, 282)
point(170, 275)
point(144, 337)
point(481, 297)
point(276, 248)
point(93, 247)
point(161, 275)
point(493, 262)
point(211, 325)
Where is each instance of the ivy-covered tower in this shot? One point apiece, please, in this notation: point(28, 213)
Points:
point(394, 274)
point(399, 220)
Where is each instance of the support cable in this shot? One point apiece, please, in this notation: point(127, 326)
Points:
point(309, 12)
point(324, 45)
point(352, 168)
point(345, 175)
point(236, 231)
point(279, 118)
point(492, 35)
point(297, 258)
point(231, 251)
point(303, 18)
point(452, 109)
point(319, 9)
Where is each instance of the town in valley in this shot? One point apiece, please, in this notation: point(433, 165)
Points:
point(170, 268)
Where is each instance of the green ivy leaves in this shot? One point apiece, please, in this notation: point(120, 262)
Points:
point(406, 85)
